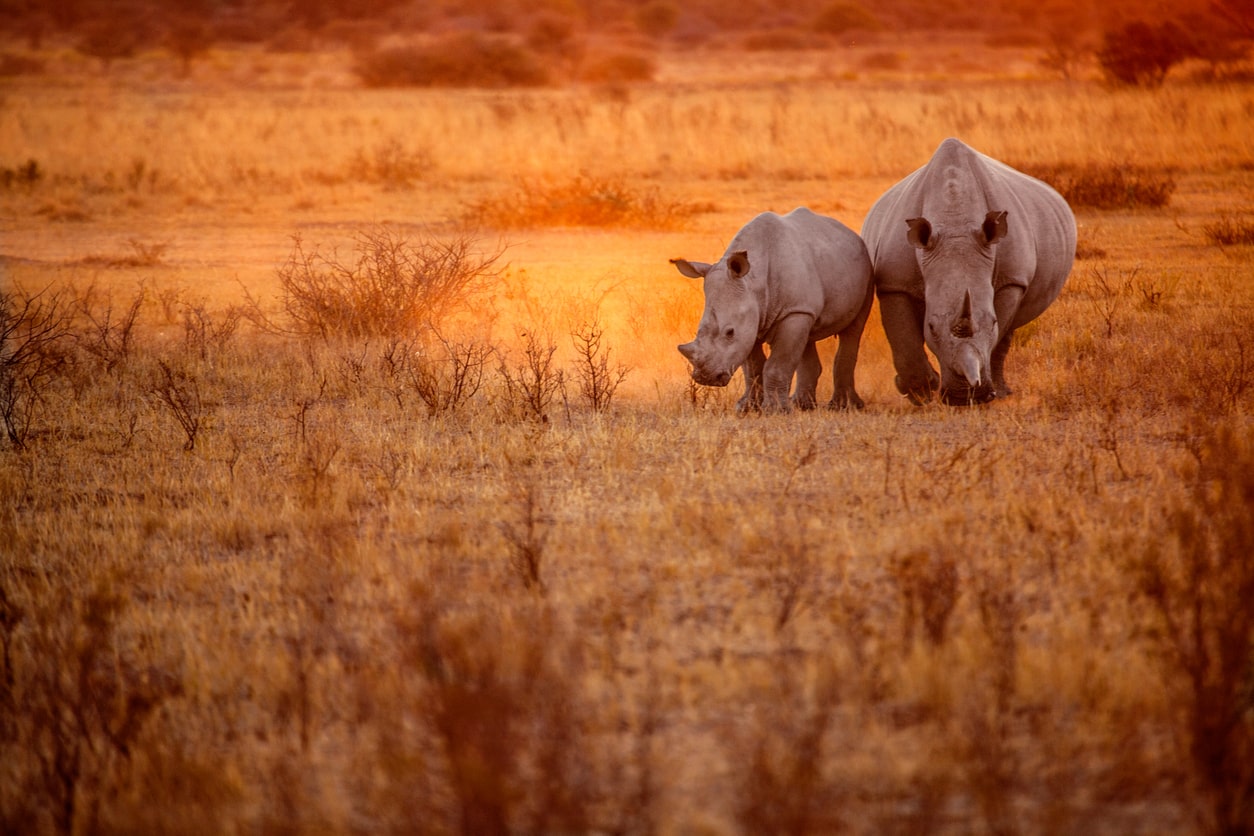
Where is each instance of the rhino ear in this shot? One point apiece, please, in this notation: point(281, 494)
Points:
point(994, 227)
point(738, 264)
point(691, 269)
point(920, 232)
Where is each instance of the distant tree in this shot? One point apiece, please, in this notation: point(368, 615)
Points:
point(188, 38)
point(1217, 41)
point(1069, 41)
point(842, 16)
point(1238, 14)
point(1142, 53)
point(109, 40)
point(657, 18)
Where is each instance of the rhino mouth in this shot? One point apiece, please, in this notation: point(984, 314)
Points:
point(707, 378)
point(962, 395)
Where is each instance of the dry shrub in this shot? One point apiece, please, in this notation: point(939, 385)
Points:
point(1229, 231)
point(24, 176)
point(1199, 580)
point(34, 332)
point(584, 201)
point(13, 65)
point(783, 787)
point(779, 39)
point(1113, 186)
point(390, 286)
point(929, 588)
point(618, 67)
point(841, 16)
point(467, 59)
point(390, 164)
point(500, 695)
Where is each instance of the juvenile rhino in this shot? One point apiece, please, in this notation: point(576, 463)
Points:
point(786, 281)
point(966, 250)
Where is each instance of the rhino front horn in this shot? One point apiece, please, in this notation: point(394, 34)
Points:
point(962, 325)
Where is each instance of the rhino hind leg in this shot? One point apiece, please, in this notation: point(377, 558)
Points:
point(844, 396)
point(808, 371)
point(902, 316)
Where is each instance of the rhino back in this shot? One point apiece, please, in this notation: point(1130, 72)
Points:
point(1037, 252)
point(814, 265)
point(1039, 249)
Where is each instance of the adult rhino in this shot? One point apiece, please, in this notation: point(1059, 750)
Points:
point(786, 281)
point(966, 250)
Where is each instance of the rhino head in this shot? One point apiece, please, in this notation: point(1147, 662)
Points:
point(960, 321)
point(729, 325)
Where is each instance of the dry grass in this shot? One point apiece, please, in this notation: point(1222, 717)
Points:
point(252, 581)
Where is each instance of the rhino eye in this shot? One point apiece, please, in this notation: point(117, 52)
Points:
point(729, 333)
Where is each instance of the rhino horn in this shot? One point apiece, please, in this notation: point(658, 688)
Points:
point(962, 325)
point(969, 366)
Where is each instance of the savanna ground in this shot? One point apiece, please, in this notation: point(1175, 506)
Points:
point(257, 578)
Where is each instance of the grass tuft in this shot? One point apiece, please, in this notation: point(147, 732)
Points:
point(1230, 231)
point(583, 201)
point(1098, 186)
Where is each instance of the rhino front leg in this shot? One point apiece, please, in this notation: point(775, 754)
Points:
point(903, 325)
point(1006, 303)
point(788, 345)
point(808, 371)
point(751, 401)
point(844, 396)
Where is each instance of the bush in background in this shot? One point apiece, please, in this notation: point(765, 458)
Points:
point(465, 59)
point(390, 286)
point(1107, 186)
point(1142, 53)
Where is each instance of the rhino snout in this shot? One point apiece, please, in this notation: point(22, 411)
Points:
point(701, 372)
point(707, 378)
point(969, 367)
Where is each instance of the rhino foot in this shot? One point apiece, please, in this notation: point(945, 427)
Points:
point(745, 406)
point(845, 400)
point(805, 402)
point(918, 394)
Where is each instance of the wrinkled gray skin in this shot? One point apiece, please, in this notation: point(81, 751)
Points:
point(966, 250)
point(787, 282)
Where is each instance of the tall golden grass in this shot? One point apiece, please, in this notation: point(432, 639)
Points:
point(256, 581)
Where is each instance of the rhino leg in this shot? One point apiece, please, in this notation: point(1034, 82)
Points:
point(844, 396)
point(808, 371)
point(1006, 304)
point(751, 401)
point(788, 345)
point(903, 324)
